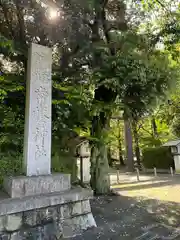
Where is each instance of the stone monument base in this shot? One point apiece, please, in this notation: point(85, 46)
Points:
point(29, 186)
point(45, 216)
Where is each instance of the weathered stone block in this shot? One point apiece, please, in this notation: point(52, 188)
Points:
point(13, 222)
point(40, 216)
point(65, 211)
point(86, 206)
point(15, 236)
point(30, 218)
point(1, 223)
point(87, 221)
point(33, 233)
point(81, 207)
point(74, 226)
point(84, 222)
point(52, 231)
point(77, 208)
point(45, 215)
point(10, 206)
point(68, 228)
point(59, 232)
point(18, 187)
point(73, 209)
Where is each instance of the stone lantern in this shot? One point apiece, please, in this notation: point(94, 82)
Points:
point(175, 150)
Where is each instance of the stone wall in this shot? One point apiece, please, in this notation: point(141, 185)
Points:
point(56, 222)
point(49, 216)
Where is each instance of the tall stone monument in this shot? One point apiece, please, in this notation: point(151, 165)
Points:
point(37, 139)
point(40, 198)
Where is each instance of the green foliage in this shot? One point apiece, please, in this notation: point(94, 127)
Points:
point(176, 126)
point(149, 141)
point(64, 162)
point(71, 107)
point(158, 157)
point(11, 114)
point(5, 44)
point(169, 112)
point(146, 135)
point(136, 75)
point(10, 165)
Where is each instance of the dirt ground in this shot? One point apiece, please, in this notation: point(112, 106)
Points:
point(144, 210)
point(164, 188)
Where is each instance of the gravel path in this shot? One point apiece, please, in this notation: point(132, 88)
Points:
point(142, 211)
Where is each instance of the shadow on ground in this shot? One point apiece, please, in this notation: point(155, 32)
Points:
point(121, 217)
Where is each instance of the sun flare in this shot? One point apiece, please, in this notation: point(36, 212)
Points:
point(53, 13)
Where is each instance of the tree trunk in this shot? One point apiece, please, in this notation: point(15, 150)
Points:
point(100, 181)
point(110, 160)
point(120, 146)
point(154, 127)
point(136, 141)
point(121, 160)
point(129, 145)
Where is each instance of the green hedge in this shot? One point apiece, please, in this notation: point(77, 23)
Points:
point(159, 157)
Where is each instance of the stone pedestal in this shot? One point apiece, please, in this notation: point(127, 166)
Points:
point(18, 187)
point(44, 207)
point(55, 215)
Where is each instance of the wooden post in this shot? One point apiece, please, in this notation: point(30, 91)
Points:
point(171, 171)
point(137, 171)
point(118, 176)
point(155, 172)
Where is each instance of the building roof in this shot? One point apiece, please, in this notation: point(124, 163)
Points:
point(172, 143)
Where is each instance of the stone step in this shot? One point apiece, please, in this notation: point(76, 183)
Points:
point(18, 187)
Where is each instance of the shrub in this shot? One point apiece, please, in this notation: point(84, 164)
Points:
point(159, 157)
point(64, 162)
point(10, 165)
